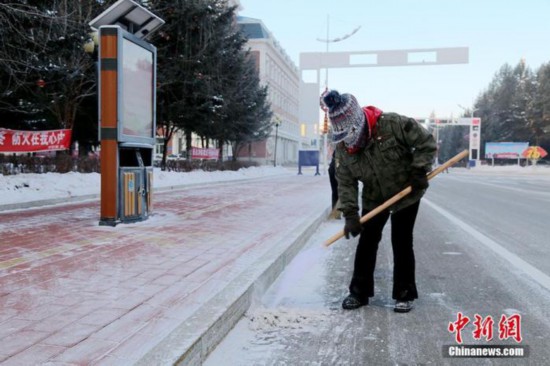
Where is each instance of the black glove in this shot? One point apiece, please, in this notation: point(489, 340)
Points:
point(419, 179)
point(353, 226)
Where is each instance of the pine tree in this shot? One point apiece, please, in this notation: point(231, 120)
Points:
point(204, 80)
point(244, 115)
point(539, 112)
point(184, 45)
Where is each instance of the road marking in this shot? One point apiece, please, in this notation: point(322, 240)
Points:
point(537, 275)
point(523, 189)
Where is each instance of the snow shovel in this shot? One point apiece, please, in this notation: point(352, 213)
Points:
point(398, 196)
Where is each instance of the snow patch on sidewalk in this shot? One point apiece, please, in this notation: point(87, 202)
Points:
point(23, 188)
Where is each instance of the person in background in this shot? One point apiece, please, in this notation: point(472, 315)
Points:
point(335, 213)
point(386, 152)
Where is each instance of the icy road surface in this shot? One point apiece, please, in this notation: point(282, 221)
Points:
point(481, 245)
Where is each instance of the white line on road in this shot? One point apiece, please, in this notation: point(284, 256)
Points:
point(537, 275)
point(522, 188)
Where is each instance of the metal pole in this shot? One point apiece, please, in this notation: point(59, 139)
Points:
point(325, 169)
point(327, 41)
point(276, 136)
point(326, 58)
point(437, 142)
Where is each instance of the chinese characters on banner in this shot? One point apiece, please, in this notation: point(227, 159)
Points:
point(32, 141)
point(508, 327)
point(204, 153)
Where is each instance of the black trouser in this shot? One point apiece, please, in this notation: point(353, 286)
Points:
point(333, 183)
point(402, 225)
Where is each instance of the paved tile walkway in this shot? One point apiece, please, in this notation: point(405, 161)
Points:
point(75, 293)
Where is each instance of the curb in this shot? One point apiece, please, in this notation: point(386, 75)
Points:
point(48, 202)
point(192, 341)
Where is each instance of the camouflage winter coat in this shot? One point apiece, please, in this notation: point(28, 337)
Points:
point(398, 144)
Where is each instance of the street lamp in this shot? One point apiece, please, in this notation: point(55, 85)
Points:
point(468, 110)
point(91, 46)
point(334, 40)
point(327, 41)
point(277, 123)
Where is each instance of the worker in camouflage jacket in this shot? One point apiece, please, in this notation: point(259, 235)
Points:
point(386, 152)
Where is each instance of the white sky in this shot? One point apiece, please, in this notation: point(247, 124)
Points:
point(495, 31)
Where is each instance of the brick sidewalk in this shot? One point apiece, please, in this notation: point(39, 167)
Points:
point(75, 293)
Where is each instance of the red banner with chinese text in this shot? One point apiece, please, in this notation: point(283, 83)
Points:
point(204, 153)
point(32, 141)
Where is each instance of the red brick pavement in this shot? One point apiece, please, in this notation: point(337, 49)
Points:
point(75, 293)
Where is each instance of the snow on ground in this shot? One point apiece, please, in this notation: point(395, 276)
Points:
point(22, 188)
point(292, 306)
point(506, 170)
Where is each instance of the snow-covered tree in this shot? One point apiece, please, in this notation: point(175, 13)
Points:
point(539, 113)
point(203, 74)
point(44, 71)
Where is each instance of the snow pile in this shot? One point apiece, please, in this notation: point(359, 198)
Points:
point(22, 188)
point(262, 319)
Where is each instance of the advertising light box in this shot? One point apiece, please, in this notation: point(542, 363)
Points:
point(137, 98)
point(137, 94)
point(504, 150)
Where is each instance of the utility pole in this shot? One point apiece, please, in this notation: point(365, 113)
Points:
point(328, 41)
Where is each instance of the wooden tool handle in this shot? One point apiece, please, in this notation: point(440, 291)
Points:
point(399, 195)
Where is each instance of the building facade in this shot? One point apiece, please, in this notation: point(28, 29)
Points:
point(282, 76)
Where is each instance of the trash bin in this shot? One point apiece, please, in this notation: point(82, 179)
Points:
point(136, 184)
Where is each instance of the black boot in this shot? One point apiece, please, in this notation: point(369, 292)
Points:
point(352, 302)
point(403, 306)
